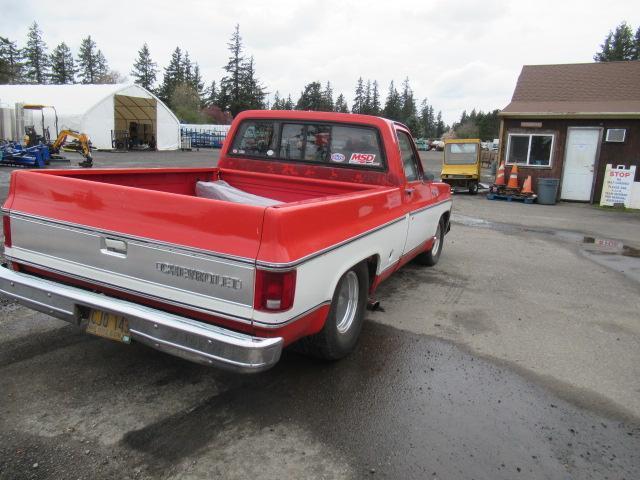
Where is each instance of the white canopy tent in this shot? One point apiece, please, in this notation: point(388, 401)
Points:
point(99, 111)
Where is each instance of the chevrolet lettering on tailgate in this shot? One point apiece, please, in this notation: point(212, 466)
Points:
point(198, 276)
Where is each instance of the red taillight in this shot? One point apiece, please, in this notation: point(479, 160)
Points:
point(6, 230)
point(274, 290)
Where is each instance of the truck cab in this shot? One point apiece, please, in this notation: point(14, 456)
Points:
point(461, 164)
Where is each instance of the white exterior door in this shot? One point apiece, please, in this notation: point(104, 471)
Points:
point(579, 163)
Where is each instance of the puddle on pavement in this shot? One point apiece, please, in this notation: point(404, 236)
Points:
point(609, 252)
point(599, 244)
point(610, 246)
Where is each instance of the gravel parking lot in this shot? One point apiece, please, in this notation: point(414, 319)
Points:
point(517, 356)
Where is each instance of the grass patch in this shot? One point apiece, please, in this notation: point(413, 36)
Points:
point(617, 209)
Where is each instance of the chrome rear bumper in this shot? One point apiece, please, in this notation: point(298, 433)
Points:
point(195, 341)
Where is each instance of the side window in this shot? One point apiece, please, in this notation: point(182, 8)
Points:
point(255, 138)
point(409, 160)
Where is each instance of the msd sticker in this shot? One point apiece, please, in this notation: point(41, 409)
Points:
point(363, 159)
point(338, 157)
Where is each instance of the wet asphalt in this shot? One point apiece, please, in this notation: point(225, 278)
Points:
point(403, 405)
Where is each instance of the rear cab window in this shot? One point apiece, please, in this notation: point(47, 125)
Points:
point(330, 144)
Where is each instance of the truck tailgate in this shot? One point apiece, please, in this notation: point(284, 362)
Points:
point(191, 252)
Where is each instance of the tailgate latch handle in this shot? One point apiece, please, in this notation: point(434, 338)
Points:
point(112, 246)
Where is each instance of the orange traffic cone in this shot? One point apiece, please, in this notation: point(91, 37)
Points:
point(513, 178)
point(500, 176)
point(526, 187)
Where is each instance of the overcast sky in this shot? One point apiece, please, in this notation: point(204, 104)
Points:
point(461, 54)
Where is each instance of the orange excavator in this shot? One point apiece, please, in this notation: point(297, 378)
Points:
point(83, 142)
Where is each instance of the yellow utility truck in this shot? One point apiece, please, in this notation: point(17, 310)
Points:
point(461, 164)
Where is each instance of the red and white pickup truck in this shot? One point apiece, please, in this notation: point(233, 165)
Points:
point(284, 241)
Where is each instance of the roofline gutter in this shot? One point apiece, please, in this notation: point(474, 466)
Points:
point(572, 115)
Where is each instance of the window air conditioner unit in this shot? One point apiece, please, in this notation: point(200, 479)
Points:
point(616, 135)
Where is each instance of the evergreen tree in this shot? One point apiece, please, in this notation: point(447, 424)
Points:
point(36, 60)
point(636, 45)
point(617, 45)
point(488, 124)
point(145, 69)
point(427, 120)
point(375, 99)
point(63, 68)
point(311, 97)
point(440, 126)
point(186, 68)
point(231, 84)
point(366, 107)
point(102, 67)
point(173, 75)
point(278, 103)
point(341, 105)
point(327, 98)
point(393, 104)
point(409, 111)
point(10, 62)
point(211, 95)
point(252, 91)
point(240, 89)
point(91, 62)
point(359, 98)
point(288, 104)
point(198, 85)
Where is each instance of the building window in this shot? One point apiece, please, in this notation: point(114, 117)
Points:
point(531, 149)
point(616, 135)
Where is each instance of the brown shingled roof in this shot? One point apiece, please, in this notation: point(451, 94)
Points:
point(607, 89)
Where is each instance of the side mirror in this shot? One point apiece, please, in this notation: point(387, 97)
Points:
point(428, 177)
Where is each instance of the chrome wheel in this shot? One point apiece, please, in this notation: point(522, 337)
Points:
point(435, 249)
point(347, 305)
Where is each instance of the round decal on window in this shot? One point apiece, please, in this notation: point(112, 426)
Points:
point(337, 157)
point(270, 153)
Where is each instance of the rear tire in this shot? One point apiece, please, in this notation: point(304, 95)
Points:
point(431, 257)
point(342, 327)
point(473, 188)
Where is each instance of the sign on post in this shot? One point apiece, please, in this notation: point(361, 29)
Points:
point(616, 188)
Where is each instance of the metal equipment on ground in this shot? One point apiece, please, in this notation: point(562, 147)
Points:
point(13, 154)
point(81, 145)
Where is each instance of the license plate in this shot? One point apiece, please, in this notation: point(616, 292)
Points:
point(108, 325)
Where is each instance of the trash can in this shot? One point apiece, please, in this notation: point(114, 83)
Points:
point(548, 190)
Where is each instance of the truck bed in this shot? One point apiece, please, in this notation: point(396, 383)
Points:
point(285, 189)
